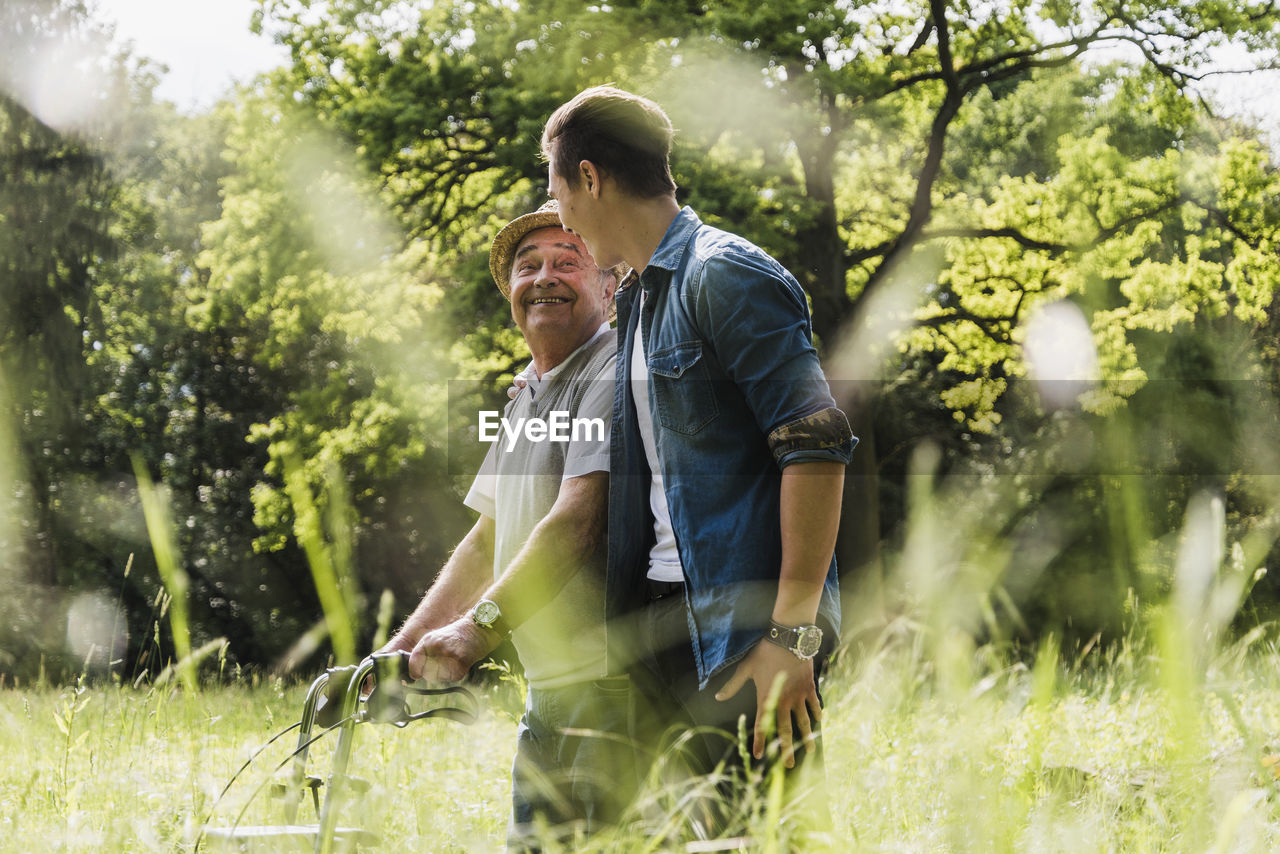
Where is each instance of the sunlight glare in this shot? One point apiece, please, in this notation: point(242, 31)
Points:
point(1060, 353)
point(96, 630)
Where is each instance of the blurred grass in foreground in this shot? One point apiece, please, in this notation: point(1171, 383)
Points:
point(1082, 750)
point(941, 733)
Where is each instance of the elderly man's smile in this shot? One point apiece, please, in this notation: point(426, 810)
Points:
point(548, 301)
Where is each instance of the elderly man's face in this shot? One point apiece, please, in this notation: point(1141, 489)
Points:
point(558, 297)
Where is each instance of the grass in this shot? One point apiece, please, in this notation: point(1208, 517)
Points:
point(1108, 759)
point(1167, 740)
point(140, 769)
point(965, 749)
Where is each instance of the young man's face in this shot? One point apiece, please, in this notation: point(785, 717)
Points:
point(558, 298)
point(579, 212)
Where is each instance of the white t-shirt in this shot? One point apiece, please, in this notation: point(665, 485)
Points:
point(664, 557)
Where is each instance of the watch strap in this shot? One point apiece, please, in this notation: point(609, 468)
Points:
point(496, 622)
point(790, 638)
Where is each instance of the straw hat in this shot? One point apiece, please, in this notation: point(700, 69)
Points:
point(508, 240)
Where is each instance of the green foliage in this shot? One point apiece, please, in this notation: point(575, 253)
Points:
point(57, 200)
point(338, 310)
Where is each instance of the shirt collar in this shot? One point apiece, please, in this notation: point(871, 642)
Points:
point(670, 251)
point(671, 248)
point(536, 385)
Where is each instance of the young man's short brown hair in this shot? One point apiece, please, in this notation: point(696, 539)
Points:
point(626, 136)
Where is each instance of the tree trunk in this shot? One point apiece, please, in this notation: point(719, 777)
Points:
point(819, 246)
point(823, 275)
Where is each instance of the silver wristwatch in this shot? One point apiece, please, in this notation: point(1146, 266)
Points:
point(486, 613)
point(801, 641)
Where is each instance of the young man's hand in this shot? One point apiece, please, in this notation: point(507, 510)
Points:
point(765, 665)
point(447, 653)
point(521, 380)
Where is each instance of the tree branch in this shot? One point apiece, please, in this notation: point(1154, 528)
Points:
point(1010, 233)
point(938, 12)
point(1223, 219)
point(996, 328)
point(922, 204)
point(1108, 232)
point(923, 37)
point(1078, 43)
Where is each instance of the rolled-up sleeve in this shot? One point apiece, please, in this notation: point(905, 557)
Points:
point(824, 436)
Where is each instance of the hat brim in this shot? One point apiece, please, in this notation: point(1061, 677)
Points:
point(508, 241)
point(513, 233)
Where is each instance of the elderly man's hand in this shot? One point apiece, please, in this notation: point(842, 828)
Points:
point(447, 653)
point(401, 641)
point(798, 699)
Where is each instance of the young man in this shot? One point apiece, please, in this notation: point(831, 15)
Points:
point(532, 567)
point(728, 451)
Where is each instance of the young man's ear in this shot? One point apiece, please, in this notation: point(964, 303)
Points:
point(590, 175)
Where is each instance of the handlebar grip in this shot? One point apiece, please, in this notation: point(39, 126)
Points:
point(390, 665)
point(387, 698)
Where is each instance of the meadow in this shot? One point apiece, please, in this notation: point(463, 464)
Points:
point(934, 744)
point(946, 728)
point(1040, 272)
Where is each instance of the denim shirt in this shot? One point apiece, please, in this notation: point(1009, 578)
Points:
point(736, 394)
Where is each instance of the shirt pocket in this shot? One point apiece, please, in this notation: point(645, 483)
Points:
point(686, 400)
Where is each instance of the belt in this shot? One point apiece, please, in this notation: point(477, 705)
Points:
point(661, 589)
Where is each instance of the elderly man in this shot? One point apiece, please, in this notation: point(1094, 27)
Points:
point(728, 449)
point(532, 566)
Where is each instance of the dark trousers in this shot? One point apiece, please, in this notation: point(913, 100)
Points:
point(575, 768)
point(698, 739)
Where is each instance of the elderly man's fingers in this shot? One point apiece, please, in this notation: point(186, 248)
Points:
point(441, 669)
point(416, 659)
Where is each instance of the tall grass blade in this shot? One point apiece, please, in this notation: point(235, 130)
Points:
point(155, 508)
point(325, 561)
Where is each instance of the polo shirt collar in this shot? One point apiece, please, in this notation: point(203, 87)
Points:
point(536, 385)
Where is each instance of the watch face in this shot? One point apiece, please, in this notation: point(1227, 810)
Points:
point(808, 639)
point(486, 612)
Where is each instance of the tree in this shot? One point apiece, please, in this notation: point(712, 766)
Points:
point(56, 198)
point(329, 311)
point(889, 154)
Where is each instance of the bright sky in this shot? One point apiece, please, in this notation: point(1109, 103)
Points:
point(205, 43)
